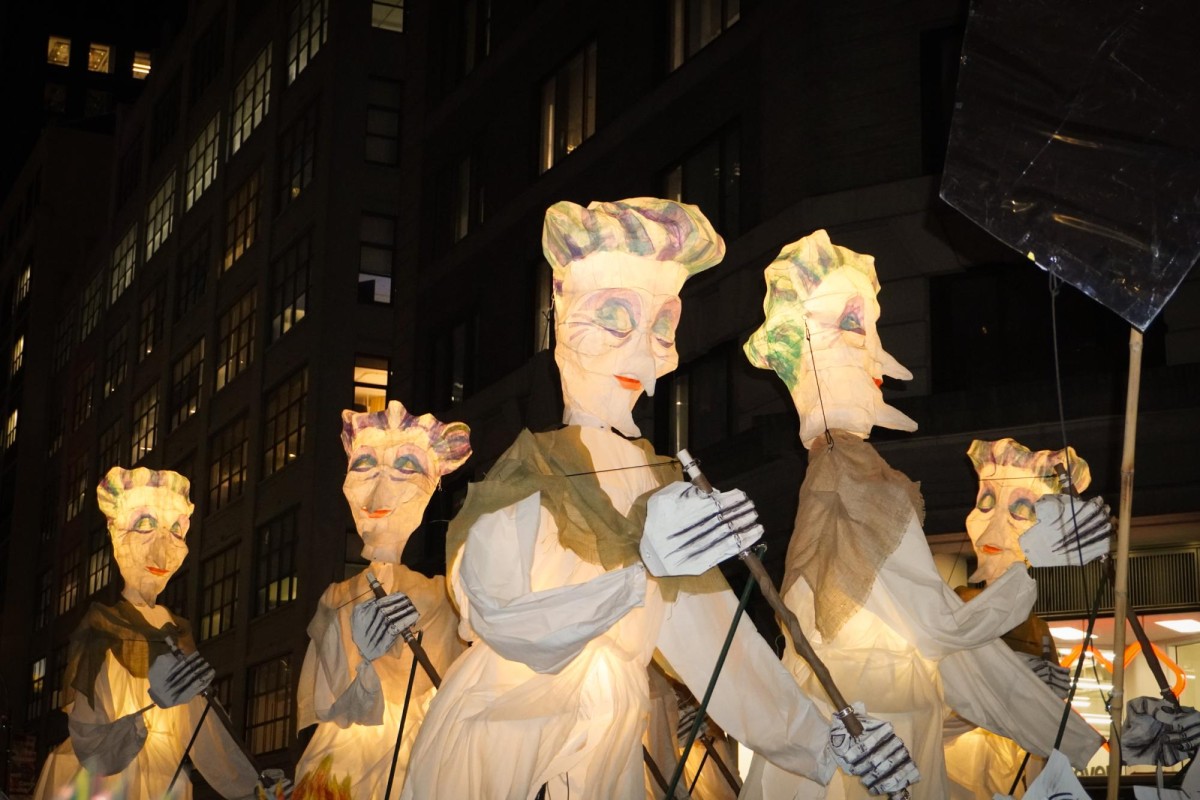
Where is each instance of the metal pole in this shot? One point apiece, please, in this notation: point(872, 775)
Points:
point(1121, 581)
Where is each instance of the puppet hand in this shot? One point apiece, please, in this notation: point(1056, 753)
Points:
point(687, 718)
point(1058, 678)
point(375, 624)
point(1068, 531)
point(174, 681)
point(1155, 732)
point(273, 785)
point(688, 531)
point(878, 756)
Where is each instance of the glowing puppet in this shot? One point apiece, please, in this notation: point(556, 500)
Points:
point(358, 667)
point(1013, 480)
point(134, 704)
point(545, 565)
point(859, 573)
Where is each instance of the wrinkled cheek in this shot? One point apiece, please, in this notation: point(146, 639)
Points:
point(665, 363)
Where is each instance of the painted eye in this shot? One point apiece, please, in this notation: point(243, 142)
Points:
point(616, 316)
point(144, 524)
point(363, 463)
point(850, 322)
point(987, 501)
point(665, 324)
point(1022, 510)
point(409, 465)
point(177, 531)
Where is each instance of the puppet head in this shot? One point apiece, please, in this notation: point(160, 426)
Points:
point(618, 269)
point(148, 515)
point(396, 460)
point(1011, 479)
point(820, 338)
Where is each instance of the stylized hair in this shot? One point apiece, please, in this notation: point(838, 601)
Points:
point(449, 442)
point(647, 227)
point(791, 278)
point(119, 480)
point(1040, 464)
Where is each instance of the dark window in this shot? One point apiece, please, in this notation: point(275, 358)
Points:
point(145, 424)
point(116, 359)
point(129, 170)
point(284, 424)
point(85, 387)
point(77, 487)
point(568, 107)
point(187, 377)
point(93, 305)
point(269, 706)
point(218, 592)
point(71, 579)
point(165, 117)
point(376, 252)
point(384, 98)
point(388, 15)
point(235, 339)
point(695, 23)
point(710, 177)
point(58, 674)
point(150, 326)
point(208, 55)
point(99, 566)
point(454, 364)
point(241, 220)
point(940, 50)
point(475, 33)
point(193, 273)
point(275, 563)
point(175, 596)
point(289, 286)
point(109, 447)
point(64, 337)
point(44, 602)
point(297, 156)
point(229, 454)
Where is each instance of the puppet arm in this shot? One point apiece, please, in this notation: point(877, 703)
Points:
point(104, 746)
point(543, 629)
point(345, 686)
point(217, 756)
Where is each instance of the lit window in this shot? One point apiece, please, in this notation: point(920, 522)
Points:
point(229, 451)
point(275, 563)
point(383, 121)
point(18, 356)
point(21, 291)
point(187, 375)
point(251, 100)
point(307, 30)
point(123, 264)
point(37, 690)
point(218, 593)
point(99, 561)
point(93, 305)
point(99, 58)
point(568, 107)
point(235, 339)
point(241, 219)
point(283, 417)
point(269, 706)
point(72, 579)
point(58, 51)
point(297, 156)
point(141, 65)
point(10, 430)
point(695, 23)
point(201, 163)
point(160, 215)
point(145, 424)
point(388, 15)
point(376, 250)
point(370, 383)
point(289, 287)
point(710, 177)
point(116, 359)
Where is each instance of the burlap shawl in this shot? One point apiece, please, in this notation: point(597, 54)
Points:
point(557, 464)
point(121, 630)
point(853, 511)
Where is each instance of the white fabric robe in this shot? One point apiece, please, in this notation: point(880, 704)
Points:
point(141, 751)
point(554, 689)
point(915, 651)
point(358, 704)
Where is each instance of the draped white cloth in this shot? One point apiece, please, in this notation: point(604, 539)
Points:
point(914, 652)
point(357, 704)
point(554, 689)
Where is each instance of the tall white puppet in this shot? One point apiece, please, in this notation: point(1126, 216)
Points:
point(358, 666)
point(546, 556)
point(134, 705)
point(859, 572)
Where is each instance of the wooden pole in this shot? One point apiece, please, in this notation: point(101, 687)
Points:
point(1121, 581)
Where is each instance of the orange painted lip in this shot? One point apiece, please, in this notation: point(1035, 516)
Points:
point(156, 571)
point(991, 549)
point(379, 512)
point(632, 384)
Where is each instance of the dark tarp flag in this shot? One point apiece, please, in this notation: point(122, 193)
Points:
point(1076, 141)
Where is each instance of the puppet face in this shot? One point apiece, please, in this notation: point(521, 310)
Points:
point(616, 319)
point(148, 532)
point(392, 475)
point(840, 368)
point(1004, 509)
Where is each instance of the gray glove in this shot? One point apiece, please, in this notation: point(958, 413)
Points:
point(174, 681)
point(273, 784)
point(688, 531)
point(1058, 678)
point(1068, 531)
point(1155, 732)
point(878, 757)
point(375, 624)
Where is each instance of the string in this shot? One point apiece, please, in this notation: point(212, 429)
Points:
point(820, 400)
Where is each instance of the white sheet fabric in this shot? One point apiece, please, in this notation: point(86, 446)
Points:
point(141, 751)
point(357, 703)
point(555, 687)
point(914, 652)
